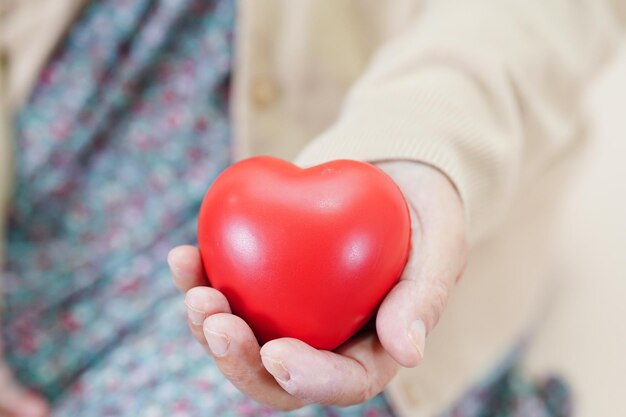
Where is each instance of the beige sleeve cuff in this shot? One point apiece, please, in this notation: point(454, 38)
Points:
point(427, 118)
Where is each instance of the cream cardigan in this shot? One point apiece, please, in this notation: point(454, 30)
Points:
point(485, 90)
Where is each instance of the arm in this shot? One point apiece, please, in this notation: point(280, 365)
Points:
point(483, 90)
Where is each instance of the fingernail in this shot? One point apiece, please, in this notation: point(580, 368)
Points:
point(417, 336)
point(173, 267)
point(218, 342)
point(276, 368)
point(196, 316)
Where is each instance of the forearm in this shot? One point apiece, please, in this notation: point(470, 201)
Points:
point(484, 90)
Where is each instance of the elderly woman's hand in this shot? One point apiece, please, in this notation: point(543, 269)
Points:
point(287, 373)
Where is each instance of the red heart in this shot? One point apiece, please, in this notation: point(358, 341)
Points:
point(304, 253)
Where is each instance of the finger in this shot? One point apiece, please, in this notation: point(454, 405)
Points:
point(186, 266)
point(201, 303)
point(356, 373)
point(404, 319)
point(17, 402)
point(436, 261)
point(413, 307)
point(236, 353)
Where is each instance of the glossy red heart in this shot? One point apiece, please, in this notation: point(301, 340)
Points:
point(304, 253)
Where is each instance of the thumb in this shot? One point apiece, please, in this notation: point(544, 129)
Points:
point(436, 262)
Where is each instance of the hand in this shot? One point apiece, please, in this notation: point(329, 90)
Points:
point(15, 401)
point(287, 373)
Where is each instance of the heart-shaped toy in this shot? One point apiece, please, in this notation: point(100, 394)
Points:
point(304, 253)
